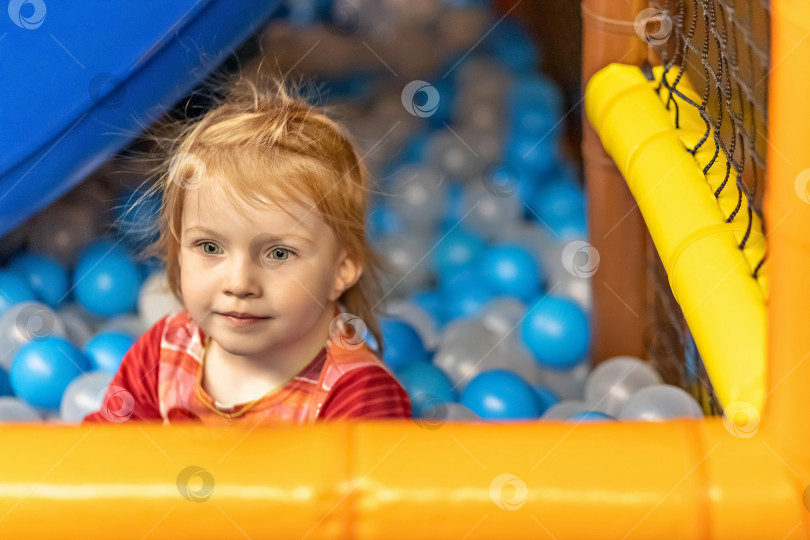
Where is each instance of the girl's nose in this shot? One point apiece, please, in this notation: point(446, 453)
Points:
point(242, 279)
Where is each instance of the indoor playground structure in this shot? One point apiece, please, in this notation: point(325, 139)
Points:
point(670, 211)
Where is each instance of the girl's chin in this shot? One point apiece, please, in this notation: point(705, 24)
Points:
point(236, 348)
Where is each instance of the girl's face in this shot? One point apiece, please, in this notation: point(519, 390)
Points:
point(285, 269)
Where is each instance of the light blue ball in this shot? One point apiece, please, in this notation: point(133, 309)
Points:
point(465, 294)
point(510, 179)
point(443, 112)
point(106, 350)
point(545, 397)
point(559, 200)
point(5, 383)
point(426, 385)
point(535, 95)
point(454, 207)
point(573, 226)
point(415, 149)
point(538, 126)
point(431, 302)
point(402, 344)
point(562, 206)
point(557, 332)
point(107, 280)
point(511, 270)
point(45, 275)
point(371, 341)
point(590, 416)
point(565, 171)
point(499, 394)
point(42, 370)
point(149, 266)
point(513, 46)
point(382, 221)
point(536, 155)
point(455, 250)
point(13, 290)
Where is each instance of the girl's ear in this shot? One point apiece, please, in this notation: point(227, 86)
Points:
point(349, 272)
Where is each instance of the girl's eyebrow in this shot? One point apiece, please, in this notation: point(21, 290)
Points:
point(266, 237)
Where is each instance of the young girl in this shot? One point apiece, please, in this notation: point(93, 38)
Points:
point(262, 230)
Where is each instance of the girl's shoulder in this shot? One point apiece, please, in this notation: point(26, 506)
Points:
point(179, 331)
point(341, 360)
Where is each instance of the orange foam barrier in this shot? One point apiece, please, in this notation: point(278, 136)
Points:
point(399, 479)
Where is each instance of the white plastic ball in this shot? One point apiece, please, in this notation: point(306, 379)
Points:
point(489, 214)
point(78, 325)
point(23, 323)
point(156, 300)
point(565, 409)
point(660, 402)
point(502, 315)
point(410, 267)
point(568, 383)
point(418, 193)
point(84, 395)
point(14, 410)
point(611, 383)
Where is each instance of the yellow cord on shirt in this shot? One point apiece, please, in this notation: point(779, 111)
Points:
point(240, 412)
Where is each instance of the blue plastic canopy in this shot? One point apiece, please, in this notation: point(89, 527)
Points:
point(80, 80)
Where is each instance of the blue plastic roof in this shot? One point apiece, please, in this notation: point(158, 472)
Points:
point(80, 80)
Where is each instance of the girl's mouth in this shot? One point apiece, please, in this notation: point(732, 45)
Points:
point(242, 321)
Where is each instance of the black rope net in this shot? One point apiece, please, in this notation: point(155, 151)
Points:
point(723, 48)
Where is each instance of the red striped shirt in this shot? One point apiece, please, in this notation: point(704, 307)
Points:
point(159, 380)
point(367, 392)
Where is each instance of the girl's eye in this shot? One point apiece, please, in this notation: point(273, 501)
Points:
point(209, 248)
point(280, 254)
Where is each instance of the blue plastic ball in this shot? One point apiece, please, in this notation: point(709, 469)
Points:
point(508, 179)
point(512, 45)
point(426, 385)
point(538, 126)
point(499, 394)
point(511, 270)
point(535, 154)
point(416, 148)
point(545, 398)
point(371, 341)
point(443, 111)
point(465, 294)
point(454, 250)
point(590, 416)
point(42, 370)
point(107, 280)
point(5, 383)
point(556, 330)
point(564, 229)
point(106, 350)
point(149, 266)
point(13, 290)
point(382, 221)
point(402, 344)
point(565, 171)
point(46, 276)
point(431, 302)
point(559, 200)
point(454, 207)
point(535, 94)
